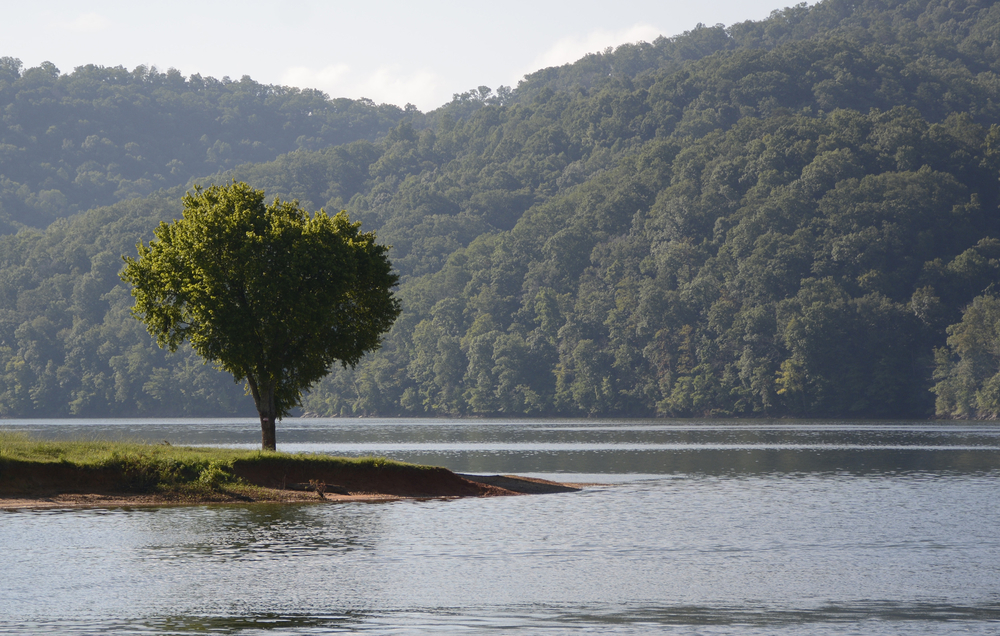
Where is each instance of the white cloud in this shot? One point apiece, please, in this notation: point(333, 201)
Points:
point(386, 84)
point(394, 85)
point(572, 48)
point(305, 77)
point(85, 23)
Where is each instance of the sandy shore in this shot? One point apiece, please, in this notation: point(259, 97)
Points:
point(460, 486)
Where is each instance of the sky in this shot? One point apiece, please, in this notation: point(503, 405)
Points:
point(398, 52)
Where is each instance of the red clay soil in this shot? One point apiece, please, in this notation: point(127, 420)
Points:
point(64, 485)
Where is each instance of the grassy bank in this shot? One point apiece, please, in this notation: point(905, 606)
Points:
point(31, 467)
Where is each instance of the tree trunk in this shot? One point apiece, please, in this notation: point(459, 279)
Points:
point(263, 398)
point(267, 441)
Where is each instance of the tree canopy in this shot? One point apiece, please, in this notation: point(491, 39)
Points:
point(776, 218)
point(97, 135)
point(266, 292)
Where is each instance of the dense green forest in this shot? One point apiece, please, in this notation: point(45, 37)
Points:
point(70, 142)
point(793, 217)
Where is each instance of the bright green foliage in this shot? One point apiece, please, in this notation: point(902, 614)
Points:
point(969, 369)
point(266, 292)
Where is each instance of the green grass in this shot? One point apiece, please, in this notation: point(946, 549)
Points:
point(162, 468)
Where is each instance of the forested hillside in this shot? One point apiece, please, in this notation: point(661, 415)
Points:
point(779, 218)
point(70, 142)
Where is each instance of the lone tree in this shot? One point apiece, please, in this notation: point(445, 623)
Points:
point(268, 293)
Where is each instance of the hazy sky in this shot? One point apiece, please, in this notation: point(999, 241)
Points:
point(415, 51)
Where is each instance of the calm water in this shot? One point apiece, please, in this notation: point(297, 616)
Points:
point(706, 528)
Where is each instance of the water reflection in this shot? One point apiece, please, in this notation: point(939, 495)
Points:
point(806, 554)
point(259, 532)
point(748, 529)
point(84, 567)
point(866, 617)
point(691, 461)
point(270, 623)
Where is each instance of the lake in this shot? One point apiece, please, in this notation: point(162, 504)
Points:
point(699, 527)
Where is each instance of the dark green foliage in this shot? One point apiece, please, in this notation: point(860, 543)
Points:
point(69, 142)
point(779, 218)
point(68, 344)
